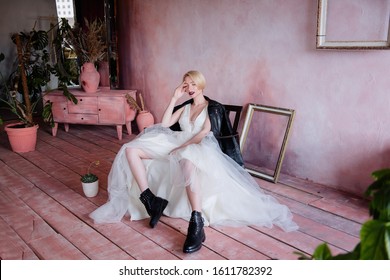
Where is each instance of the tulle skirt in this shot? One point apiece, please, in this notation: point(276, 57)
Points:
point(229, 194)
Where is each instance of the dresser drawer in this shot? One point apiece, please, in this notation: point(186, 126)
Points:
point(85, 105)
point(82, 119)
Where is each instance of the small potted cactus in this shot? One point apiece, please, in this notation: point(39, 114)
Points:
point(90, 181)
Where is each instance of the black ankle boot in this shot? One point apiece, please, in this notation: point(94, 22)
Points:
point(195, 234)
point(154, 206)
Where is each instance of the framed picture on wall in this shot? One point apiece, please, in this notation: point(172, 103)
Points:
point(353, 24)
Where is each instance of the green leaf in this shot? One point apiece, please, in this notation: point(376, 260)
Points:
point(374, 237)
point(322, 252)
point(40, 39)
point(382, 177)
point(69, 95)
point(380, 193)
point(381, 173)
point(354, 255)
point(89, 178)
point(47, 113)
point(387, 240)
point(302, 256)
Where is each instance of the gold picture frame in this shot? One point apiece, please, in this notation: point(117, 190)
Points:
point(322, 42)
point(278, 140)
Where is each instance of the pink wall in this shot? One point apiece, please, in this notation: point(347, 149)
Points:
point(263, 51)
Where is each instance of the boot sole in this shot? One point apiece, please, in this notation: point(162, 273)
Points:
point(193, 250)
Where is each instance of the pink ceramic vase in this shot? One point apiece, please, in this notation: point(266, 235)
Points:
point(144, 119)
point(89, 77)
point(104, 72)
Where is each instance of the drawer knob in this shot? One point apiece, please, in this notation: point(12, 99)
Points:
point(81, 99)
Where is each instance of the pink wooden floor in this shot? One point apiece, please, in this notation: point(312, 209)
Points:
point(44, 214)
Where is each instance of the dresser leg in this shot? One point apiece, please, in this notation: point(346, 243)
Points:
point(66, 125)
point(128, 127)
point(54, 129)
point(119, 131)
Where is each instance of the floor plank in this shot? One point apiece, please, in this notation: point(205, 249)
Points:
point(12, 247)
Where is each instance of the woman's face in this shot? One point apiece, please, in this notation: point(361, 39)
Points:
point(191, 88)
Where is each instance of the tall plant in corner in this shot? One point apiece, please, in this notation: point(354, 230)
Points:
point(25, 111)
point(375, 233)
point(23, 90)
point(31, 74)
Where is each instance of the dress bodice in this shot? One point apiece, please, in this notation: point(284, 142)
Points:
point(187, 125)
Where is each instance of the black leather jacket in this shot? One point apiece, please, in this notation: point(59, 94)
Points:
point(221, 128)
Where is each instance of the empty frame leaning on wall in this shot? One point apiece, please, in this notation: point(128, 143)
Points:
point(264, 139)
point(353, 24)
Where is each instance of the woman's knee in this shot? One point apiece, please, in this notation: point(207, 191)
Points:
point(132, 152)
point(187, 167)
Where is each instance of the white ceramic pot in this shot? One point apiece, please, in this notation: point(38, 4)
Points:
point(91, 189)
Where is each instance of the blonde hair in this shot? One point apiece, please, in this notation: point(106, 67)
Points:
point(197, 77)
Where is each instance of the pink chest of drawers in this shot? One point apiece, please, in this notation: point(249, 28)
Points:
point(105, 107)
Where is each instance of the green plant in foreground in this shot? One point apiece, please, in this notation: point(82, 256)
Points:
point(375, 233)
point(90, 177)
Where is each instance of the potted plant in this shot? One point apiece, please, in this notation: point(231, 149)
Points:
point(90, 181)
point(89, 44)
point(31, 74)
point(375, 233)
point(144, 118)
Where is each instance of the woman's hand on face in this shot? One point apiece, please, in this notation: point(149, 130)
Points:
point(180, 90)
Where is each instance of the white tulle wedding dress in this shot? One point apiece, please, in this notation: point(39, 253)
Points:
point(229, 195)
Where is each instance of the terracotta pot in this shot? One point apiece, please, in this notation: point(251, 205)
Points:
point(22, 139)
point(144, 119)
point(104, 72)
point(91, 189)
point(89, 77)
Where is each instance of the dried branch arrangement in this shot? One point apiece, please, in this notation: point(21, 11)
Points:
point(89, 42)
point(133, 103)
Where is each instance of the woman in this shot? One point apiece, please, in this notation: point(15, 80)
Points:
point(185, 174)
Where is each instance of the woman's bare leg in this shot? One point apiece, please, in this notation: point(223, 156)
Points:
point(134, 157)
point(193, 194)
point(154, 205)
point(194, 197)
